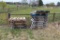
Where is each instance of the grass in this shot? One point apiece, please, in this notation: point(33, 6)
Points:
point(27, 10)
point(3, 18)
point(49, 33)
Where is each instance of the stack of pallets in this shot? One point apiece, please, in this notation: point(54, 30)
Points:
point(39, 19)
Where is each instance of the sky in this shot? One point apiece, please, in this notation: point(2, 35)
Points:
point(44, 1)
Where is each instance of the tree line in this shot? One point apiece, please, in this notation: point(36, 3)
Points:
point(40, 3)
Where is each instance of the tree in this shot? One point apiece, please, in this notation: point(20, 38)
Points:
point(3, 4)
point(50, 4)
point(40, 3)
point(24, 1)
point(47, 5)
point(58, 4)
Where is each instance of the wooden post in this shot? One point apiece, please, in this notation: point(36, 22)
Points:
point(9, 15)
point(54, 14)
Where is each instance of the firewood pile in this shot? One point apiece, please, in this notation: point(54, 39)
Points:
point(17, 22)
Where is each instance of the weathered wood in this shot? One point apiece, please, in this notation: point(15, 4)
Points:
point(18, 22)
point(54, 14)
point(39, 19)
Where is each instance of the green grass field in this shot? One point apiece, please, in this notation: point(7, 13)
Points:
point(27, 10)
point(49, 33)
